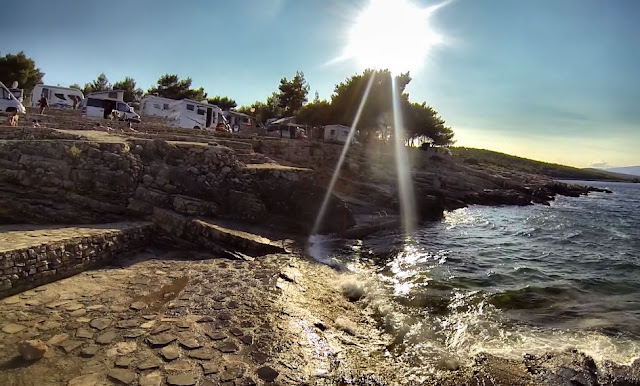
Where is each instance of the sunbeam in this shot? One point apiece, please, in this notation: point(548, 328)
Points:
point(336, 171)
point(405, 184)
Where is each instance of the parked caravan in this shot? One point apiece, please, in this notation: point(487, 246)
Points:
point(187, 113)
point(57, 97)
point(102, 104)
point(18, 93)
point(9, 105)
point(339, 134)
point(156, 106)
point(239, 122)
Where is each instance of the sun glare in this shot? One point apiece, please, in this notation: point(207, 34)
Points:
point(392, 34)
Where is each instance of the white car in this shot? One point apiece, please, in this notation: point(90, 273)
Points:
point(102, 108)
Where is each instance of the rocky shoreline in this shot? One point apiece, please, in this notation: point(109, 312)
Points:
point(281, 318)
point(218, 274)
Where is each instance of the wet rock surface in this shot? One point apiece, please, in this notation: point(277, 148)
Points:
point(164, 318)
point(268, 331)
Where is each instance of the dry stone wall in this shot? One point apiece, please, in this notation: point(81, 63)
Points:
point(28, 267)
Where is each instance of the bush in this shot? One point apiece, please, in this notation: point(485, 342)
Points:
point(74, 151)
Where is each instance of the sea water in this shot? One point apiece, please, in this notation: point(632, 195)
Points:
point(504, 280)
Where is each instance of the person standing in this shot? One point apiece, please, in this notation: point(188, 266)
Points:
point(43, 104)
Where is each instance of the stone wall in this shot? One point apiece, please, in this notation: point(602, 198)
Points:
point(33, 133)
point(27, 267)
point(58, 181)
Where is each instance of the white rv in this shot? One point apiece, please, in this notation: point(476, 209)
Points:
point(338, 134)
point(156, 106)
point(187, 113)
point(57, 97)
point(101, 104)
point(18, 93)
point(239, 121)
point(9, 105)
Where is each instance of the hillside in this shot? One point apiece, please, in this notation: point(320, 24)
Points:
point(631, 170)
point(492, 158)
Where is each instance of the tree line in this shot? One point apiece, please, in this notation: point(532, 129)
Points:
point(421, 121)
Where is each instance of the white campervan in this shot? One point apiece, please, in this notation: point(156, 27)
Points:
point(57, 97)
point(156, 106)
point(187, 113)
point(101, 104)
point(9, 105)
point(239, 121)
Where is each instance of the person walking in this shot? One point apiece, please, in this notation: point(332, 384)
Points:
point(43, 104)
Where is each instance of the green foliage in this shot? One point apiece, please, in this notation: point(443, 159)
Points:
point(490, 158)
point(170, 86)
point(131, 93)
point(263, 111)
point(316, 113)
point(293, 93)
point(422, 122)
point(76, 85)
point(377, 111)
point(100, 84)
point(225, 103)
point(19, 68)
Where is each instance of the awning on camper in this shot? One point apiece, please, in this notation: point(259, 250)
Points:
point(282, 121)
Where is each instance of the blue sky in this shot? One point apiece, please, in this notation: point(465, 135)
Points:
point(555, 80)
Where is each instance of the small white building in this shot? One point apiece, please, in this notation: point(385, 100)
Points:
point(338, 134)
point(156, 106)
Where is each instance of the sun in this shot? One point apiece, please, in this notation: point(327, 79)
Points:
point(392, 34)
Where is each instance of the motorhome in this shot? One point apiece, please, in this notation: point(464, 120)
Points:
point(156, 106)
point(240, 122)
point(339, 134)
point(102, 104)
point(187, 113)
point(9, 105)
point(57, 97)
point(18, 93)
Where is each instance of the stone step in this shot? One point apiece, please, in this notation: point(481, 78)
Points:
point(244, 242)
point(184, 231)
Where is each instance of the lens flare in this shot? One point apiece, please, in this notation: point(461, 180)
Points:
point(345, 148)
point(403, 166)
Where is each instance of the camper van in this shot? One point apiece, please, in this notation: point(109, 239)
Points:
point(18, 93)
point(156, 106)
point(187, 113)
point(238, 121)
point(9, 105)
point(57, 97)
point(101, 104)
